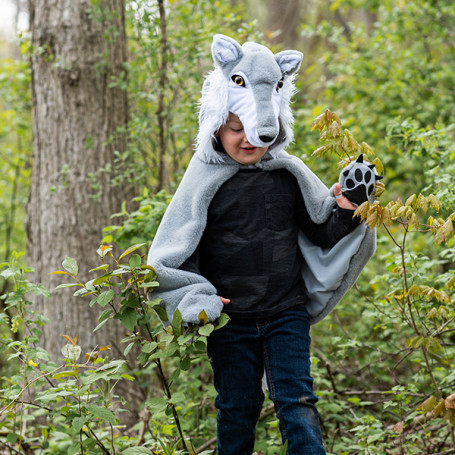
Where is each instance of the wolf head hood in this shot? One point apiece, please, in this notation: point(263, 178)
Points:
point(254, 84)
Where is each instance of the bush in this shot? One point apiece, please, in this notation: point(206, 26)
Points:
point(71, 407)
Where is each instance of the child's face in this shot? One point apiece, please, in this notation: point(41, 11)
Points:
point(236, 144)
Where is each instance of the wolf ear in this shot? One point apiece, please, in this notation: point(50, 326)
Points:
point(225, 50)
point(289, 61)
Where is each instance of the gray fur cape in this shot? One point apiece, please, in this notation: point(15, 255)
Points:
point(328, 273)
point(267, 80)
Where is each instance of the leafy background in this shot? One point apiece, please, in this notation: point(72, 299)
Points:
point(382, 361)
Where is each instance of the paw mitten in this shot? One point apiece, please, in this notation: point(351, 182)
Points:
point(358, 181)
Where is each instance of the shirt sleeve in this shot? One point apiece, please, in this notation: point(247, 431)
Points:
point(340, 223)
point(192, 263)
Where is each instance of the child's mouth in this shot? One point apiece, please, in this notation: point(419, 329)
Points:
point(249, 149)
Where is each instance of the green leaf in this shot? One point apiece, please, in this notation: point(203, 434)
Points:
point(177, 323)
point(39, 289)
point(101, 267)
point(68, 285)
point(129, 318)
point(161, 312)
point(74, 449)
point(101, 412)
point(200, 344)
point(83, 390)
point(100, 324)
point(82, 291)
point(157, 404)
point(149, 347)
point(130, 250)
point(128, 349)
point(50, 396)
point(150, 284)
point(206, 330)
point(105, 314)
point(185, 364)
point(127, 377)
point(222, 321)
point(175, 375)
point(12, 438)
point(101, 279)
point(78, 423)
point(136, 451)
point(135, 261)
point(105, 297)
point(70, 265)
point(133, 301)
point(71, 352)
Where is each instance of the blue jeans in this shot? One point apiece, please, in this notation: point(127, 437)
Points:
point(239, 354)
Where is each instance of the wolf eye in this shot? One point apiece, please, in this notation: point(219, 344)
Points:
point(238, 80)
point(279, 85)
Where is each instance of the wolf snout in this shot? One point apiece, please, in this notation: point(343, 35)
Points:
point(266, 138)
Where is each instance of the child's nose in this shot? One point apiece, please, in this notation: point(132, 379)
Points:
point(245, 140)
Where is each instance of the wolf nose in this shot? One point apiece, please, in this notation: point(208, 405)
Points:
point(265, 138)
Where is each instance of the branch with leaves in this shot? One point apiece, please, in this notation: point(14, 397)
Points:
point(419, 304)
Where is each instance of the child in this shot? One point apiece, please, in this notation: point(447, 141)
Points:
point(251, 231)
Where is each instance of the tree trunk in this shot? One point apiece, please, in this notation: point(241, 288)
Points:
point(79, 121)
point(283, 21)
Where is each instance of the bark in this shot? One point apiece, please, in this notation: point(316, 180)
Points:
point(161, 110)
point(283, 21)
point(79, 46)
point(370, 18)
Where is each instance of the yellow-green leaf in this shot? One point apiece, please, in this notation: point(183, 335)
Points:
point(130, 250)
point(379, 189)
point(203, 319)
point(414, 221)
point(102, 279)
point(367, 150)
point(362, 210)
point(411, 199)
point(104, 250)
point(440, 408)
point(65, 374)
point(423, 203)
point(434, 202)
point(428, 405)
point(379, 167)
point(321, 151)
point(101, 267)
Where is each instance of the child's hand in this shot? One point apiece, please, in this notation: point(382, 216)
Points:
point(223, 300)
point(342, 201)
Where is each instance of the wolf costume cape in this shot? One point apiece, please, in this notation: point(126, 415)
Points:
point(256, 85)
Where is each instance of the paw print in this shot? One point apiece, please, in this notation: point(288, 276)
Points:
point(358, 181)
